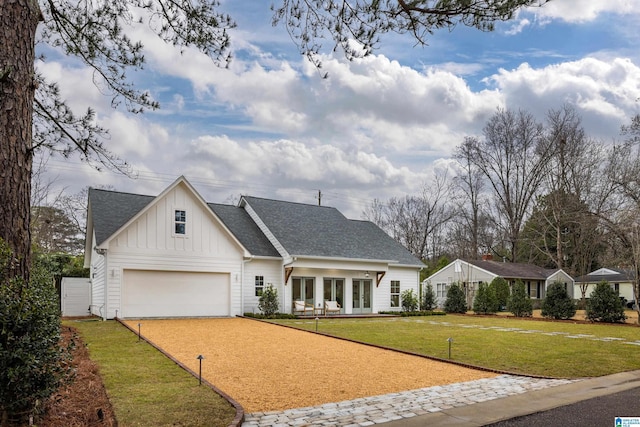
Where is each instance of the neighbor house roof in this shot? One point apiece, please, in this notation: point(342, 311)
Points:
point(513, 270)
point(311, 230)
point(614, 275)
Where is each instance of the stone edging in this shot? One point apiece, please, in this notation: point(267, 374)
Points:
point(237, 420)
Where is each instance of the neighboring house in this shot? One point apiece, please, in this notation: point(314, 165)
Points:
point(620, 279)
point(174, 255)
point(470, 273)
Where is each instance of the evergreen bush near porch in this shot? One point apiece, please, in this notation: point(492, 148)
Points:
point(519, 302)
point(429, 298)
point(604, 305)
point(456, 301)
point(409, 300)
point(485, 301)
point(557, 304)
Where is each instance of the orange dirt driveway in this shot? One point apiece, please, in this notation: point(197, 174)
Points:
point(268, 367)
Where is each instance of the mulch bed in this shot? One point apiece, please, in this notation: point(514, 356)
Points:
point(82, 402)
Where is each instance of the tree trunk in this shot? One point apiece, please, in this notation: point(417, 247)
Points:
point(18, 22)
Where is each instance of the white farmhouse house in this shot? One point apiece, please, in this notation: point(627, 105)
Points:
point(174, 255)
point(470, 273)
point(620, 279)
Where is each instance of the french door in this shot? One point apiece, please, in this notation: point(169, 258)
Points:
point(361, 296)
point(303, 289)
point(334, 291)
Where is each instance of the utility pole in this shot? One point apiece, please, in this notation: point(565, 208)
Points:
point(319, 197)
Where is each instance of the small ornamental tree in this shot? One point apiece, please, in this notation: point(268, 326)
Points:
point(519, 302)
point(456, 301)
point(604, 305)
point(409, 300)
point(268, 303)
point(428, 298)
point(485, 301)
point(501, 289)
point(557, 304)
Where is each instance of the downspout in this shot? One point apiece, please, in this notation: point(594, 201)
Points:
point(105, 276)
point(244, 261)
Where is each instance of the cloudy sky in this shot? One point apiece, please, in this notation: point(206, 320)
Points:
point(379, 127)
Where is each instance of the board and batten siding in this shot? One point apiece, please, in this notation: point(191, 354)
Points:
point(409, 279)
point(273, 272)
point(149, 243)
point(98, 268)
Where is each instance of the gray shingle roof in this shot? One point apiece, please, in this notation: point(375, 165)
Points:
point(620, 275)
point(111, 210)
point(310, 230)
point(303, 230)
point(513, 270)
point(237, 220)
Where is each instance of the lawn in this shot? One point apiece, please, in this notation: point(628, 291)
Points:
point(145, 387)
point(530, 347)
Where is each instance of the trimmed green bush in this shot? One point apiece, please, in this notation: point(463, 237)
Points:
point(501, 289)
point(456, 301)
point(519, 302)
point(428, 298)
point(268, 303)
point(409, 300)
point(485, 301)
point(32, 364)
point(604, 305)
point(557, 304)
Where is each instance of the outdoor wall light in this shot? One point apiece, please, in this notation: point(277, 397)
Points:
point(366, 274)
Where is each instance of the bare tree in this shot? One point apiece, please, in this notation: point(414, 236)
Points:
point(513, 156)
point(415, 221)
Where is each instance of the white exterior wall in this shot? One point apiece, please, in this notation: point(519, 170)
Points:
point(466, 273)
point(409, 279)
point(562, 277)
point(97, 275)
point(272, 272)
point(626, 290)
point(150, 244)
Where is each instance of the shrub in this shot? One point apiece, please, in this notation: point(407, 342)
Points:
point(268, 303)
point(501, 289)
point(32, 364)
point(519, 302)
point(604, 305)
point(485, 301)
point(557, 304)
point(456, 301)
point(428, 298)
point(409, 300)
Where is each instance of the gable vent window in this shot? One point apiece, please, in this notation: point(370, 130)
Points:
point(181, 222)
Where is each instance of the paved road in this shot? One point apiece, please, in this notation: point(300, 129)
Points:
point(599, 411)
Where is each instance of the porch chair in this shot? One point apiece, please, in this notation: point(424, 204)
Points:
point(302, 307)
point(331, 307)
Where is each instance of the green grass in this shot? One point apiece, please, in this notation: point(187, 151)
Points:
point(477, 342)
point(145, 387)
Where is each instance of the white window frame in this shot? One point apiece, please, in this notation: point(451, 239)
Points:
point(175, 222)
point(393, 294)
point(259, 285)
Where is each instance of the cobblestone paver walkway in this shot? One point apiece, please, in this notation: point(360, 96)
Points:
point(395, 406)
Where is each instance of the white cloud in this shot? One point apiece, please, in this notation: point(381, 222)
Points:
point(585, 10)
point(605, 93)
point(517, 27)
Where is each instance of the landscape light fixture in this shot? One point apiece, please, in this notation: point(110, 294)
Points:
point(200, 358)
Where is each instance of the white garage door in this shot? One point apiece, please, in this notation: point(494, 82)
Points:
point(174, 294)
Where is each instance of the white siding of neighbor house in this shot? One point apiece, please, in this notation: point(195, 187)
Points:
point(467, 273)
point(149, 243)
point(625, 291)
point(562, 277)
point(272, 272)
